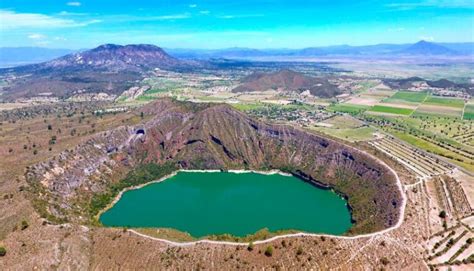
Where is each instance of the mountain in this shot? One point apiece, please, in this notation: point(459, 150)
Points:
point(287, 80)
point(109, 69)
point(16, 56)
point(116, 57)
point(427, 48)
point(209, 136)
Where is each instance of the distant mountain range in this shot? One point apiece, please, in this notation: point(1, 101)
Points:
point(421, 48)
point(10, 57)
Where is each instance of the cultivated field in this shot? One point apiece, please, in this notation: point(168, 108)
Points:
point(420, 163)
point(390, 110)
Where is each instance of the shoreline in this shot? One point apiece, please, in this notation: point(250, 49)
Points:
point(270, 172)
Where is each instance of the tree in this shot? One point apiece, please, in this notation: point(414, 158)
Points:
point(24, 225)
point(269, 251)
point(299, 251)
point(384, 261)
point(442, 214)
point(250, 246)
point(3, 251)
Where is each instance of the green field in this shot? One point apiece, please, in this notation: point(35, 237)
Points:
point(348, 108)
point(391, 110)
point(409, 96)
point(469, 112)
point(451, 102)
point(351, 134)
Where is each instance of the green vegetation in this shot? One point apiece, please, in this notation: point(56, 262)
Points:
point(442, 214)
point(451, 102)
point(155, 90)
point(24, 225)
point(250, 246)
point(3, 251)
point(391, 110)
point(348, 108)
point(248, 106)
point(350, 134)
point(142, 174)
point(433, 148)
point(469, 112)
point(409, 96)
point(269, 251)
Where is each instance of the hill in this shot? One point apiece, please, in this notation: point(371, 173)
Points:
point(287, 80)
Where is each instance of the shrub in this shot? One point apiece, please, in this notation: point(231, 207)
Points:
point(299, 251)
point(442, 214)
point(24, 225)
point(269, 251)
point(3, 251)
point(250, 246)
point(384, 261)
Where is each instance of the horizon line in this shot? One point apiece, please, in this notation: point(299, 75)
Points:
point(238, 47)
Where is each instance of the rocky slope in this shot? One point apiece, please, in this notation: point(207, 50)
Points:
point(196, 136)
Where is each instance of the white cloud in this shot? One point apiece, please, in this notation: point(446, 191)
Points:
point(73, 4)
point(432, 3)
point(130, 18)
point(36, 36)
point(13, 20)
point(427, 38)
point(193, 6)
point(60, 38)
point(205, 12)
point(239, 16)
point(169, 17)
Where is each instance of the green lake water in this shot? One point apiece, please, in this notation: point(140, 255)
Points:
point(204, 203)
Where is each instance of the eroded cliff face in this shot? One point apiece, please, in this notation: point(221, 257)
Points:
point(195, 136)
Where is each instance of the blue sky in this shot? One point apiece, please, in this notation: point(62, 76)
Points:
point(231, 23)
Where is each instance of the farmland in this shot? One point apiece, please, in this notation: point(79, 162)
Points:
point(345, 127)
point(441, 101)
point(348, 108)
point(469, 112)
point(423, 165)
point(391, 110)
point(407, 96)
